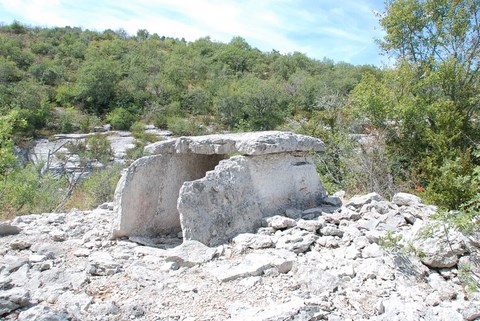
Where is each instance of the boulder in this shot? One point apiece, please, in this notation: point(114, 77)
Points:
point(280, 222)
point(188, 184)
point(358, 201)
point(241, 191)
point(442, 249)
point(191, 253)
point(254, 264)
point(405, 199)
point(8, 229)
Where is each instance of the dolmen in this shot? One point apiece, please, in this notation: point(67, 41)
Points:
point(214, 187)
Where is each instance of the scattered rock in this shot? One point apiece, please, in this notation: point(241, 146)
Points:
point(405, 199)
point(19, 244)
point(42, 313)
point(441, 250)
point(7, 228)
point(13, 299)
point(331, 230)
point(318, 264)
point(280, 222)
point(309, 225)
point(360, 200)
point(297, 241)
point(471, 312)
point(255, 264)
point(82, 252)
point(12, 263)
point(102, 263)
point(191, 253)
point(253, 241)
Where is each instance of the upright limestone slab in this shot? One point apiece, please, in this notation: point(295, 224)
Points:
point(233, 198)
point(217, 198)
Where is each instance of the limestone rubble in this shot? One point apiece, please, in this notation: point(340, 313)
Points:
point(366, 260)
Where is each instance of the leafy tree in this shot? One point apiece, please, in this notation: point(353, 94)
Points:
point(96, 85)
point(7, 125)
point(9, 71)
point(428, 103)
point(121, 118)
point(438, 37)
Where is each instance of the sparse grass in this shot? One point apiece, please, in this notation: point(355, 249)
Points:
point(98, 188)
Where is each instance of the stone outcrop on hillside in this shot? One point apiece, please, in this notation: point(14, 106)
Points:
point(56, 158)
point(191, 184)
point(369, 259)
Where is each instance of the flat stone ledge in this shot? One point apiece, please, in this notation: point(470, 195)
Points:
point(254, 143)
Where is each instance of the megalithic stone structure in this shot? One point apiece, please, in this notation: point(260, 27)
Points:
point(215, 187)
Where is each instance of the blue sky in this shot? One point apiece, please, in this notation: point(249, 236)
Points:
point(342, 30)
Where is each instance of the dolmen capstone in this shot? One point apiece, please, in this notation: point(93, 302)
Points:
point(214, 187)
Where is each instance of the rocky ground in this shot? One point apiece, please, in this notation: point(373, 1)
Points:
point(369, 259)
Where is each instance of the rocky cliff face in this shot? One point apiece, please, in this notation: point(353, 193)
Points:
point(369, 259)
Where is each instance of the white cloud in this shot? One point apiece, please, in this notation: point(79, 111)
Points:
point(309, 26)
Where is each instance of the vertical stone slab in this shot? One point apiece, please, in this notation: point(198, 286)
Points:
point(147, 193)
point(233, 198)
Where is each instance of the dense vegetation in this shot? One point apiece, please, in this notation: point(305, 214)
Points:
point(417, 120)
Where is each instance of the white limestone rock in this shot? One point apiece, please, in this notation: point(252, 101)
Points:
point(253, 241)
point(331, 230)
point(11, 263)
point(13, 299)
point(253, 143)
point(309, 225)
point(406, 199)
point(190, 253)
point(280, 222)
point(291, 310)
point(439, 251)
point(161, 147)
point(102, 263)
point(241, 191)
point(42, 313)
point(358, 201)
point(316, 280)
point(254, 264)
point(20, 244)
point(372, 250)
point(298, 241)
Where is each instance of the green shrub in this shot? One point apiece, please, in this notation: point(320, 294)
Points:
point(99, 148)
point(66, 118)
point(121, 119)
point(88, 122)
point(65, 95)
point(136, 152)
point(456, 182)
point(24, 191)
point(160, 120)
point(184, 127)
point(138, 127)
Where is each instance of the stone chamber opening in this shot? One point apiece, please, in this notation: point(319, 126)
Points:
point(150, 190)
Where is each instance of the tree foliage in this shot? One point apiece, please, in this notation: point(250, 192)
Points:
point(154, 78)
point(428, 104)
